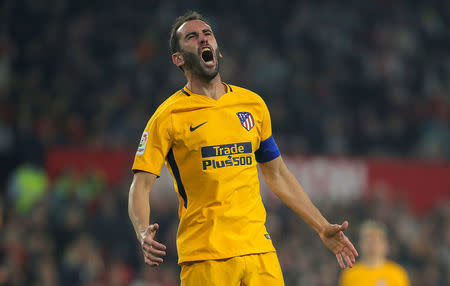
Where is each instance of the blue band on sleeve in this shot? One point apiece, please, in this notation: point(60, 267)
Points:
point(268, 150)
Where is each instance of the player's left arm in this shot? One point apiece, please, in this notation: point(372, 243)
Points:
point(284, 184)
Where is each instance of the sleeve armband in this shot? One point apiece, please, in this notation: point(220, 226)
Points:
point(268, 150)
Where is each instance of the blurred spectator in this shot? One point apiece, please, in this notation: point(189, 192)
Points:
point(29, 184)
point(2, 215)
point(374, 269)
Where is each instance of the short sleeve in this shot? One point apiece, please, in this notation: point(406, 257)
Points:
point(268, 149)
point(266, 125)
point(154, 145)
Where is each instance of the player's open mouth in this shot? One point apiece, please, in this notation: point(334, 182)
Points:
point(207, 56)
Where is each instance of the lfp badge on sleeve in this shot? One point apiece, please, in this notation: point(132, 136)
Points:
point(142, 144)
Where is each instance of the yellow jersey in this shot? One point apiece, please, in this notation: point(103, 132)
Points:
point(387, 274)
point(211, 148)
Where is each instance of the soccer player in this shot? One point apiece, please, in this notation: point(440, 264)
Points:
point(374, 269)
point(212, 135)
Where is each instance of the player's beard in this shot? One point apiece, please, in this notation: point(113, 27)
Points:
point(192, 62)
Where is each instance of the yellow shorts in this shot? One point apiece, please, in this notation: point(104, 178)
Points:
point(247, 270)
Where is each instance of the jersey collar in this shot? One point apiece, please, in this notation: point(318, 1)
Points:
point(186, 91)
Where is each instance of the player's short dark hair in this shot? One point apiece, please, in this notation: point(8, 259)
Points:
point(370, 225)
point(174, 43)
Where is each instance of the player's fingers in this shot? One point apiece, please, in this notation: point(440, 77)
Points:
point(350, 254)
point(340, 261)
point(148, 239)
point(146, 248)
point(335, 228)
point(350, 246)
point(150, 250)
point(158, 245)
point(155, 258)
point(156, 251)
point(352, 249)
point(152, 257)
point(153, 243)
point(150, 233)
point(153, 227)
point(343, 226)
point(152, 264)
point(149, 262)
point(347, 260)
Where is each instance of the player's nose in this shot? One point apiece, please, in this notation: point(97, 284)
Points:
point(203, 39)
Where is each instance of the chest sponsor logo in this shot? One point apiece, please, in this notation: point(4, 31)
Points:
point(227, 155)
point(247, 120)
point(142, 144)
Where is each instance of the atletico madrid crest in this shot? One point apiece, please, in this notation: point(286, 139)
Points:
point(246, 119)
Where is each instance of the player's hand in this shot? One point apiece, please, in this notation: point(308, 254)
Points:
point(335, 239)
point(152, 249)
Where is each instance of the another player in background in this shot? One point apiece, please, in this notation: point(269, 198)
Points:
point(212, 135)
point(374, 269)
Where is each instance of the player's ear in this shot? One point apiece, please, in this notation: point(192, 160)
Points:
point(220, 55)
point(177, 59)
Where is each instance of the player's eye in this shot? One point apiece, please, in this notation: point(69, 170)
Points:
point(190, 36)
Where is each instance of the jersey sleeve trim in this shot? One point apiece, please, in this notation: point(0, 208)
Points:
point(268, 150)
point(144, 168)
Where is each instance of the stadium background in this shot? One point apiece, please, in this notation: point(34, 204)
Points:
point(359, 97)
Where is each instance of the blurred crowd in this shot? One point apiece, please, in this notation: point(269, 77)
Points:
point(77, 232)
point(340, 77)
point(364, 78)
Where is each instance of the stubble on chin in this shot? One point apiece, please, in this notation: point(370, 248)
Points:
point(193, 63)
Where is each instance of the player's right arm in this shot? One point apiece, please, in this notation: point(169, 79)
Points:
point(139, 212)
point(155, 143)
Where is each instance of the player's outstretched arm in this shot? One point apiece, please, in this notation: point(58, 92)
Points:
point(284, 184)
point(139, 212)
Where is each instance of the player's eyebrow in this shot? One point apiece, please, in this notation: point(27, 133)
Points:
point(195, 33)
point(191, 33)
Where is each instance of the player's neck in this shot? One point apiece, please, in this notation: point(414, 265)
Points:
point(213, 88)
point(373, 261)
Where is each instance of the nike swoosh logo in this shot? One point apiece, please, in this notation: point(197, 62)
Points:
point(193, 128)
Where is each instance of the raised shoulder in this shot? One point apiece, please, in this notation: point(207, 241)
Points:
point(356, 268)
point(169, 104)
point(247, 93)
point(396, 266)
